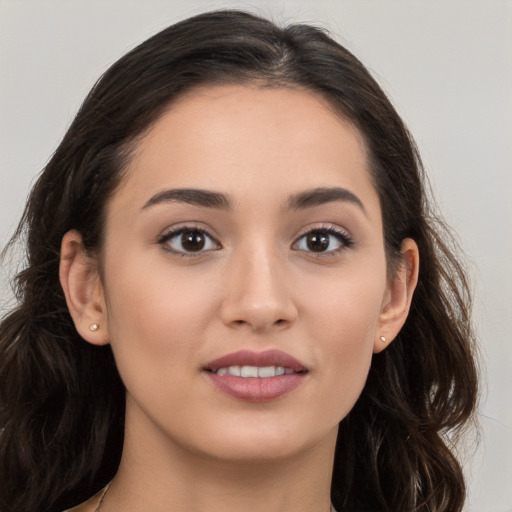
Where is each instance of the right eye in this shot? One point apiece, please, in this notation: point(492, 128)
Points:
point(188, 241)
point(324, 241)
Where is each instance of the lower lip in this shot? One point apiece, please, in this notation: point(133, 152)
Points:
point(253, 389)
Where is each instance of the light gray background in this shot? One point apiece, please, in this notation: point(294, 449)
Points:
point(447, 65)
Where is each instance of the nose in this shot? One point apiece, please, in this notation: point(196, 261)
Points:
point(258, 293)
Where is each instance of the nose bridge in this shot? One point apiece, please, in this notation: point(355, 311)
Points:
point(258, 293)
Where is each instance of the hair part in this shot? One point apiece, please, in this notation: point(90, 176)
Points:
point(62, 400)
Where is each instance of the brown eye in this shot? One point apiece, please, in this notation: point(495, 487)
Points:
point(193, 241)
point(324, 241)
point(186, 241)
point(317, 241)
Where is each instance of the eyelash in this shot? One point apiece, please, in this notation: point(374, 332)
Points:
point(344, 239)
point(167, 237)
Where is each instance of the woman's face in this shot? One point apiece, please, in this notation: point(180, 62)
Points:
point(244, 274)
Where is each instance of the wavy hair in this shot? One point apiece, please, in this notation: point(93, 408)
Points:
point(62, 400)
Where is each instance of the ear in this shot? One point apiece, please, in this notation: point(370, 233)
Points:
point(83, 289)
point(398, 296)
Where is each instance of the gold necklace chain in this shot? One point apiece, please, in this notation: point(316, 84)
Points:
point(98, 508)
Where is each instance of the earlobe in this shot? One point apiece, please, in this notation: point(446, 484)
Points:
point(398, 298)
point(83, 290)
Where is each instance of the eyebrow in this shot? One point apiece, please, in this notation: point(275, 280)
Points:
point(323, 195)
point(194, 196)
point(210, 199)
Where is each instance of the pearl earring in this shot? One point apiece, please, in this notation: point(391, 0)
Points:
point(383, 339)
point(94, 327)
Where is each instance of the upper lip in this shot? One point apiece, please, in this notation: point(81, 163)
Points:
point(249, 358)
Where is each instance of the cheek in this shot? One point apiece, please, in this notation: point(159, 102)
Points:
point(154, 321)
point(152, 299)
point(343, 320)
point(347, 304)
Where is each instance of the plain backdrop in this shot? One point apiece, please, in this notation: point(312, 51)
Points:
point(447, 66)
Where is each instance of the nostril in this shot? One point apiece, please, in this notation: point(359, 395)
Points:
point(258, 313)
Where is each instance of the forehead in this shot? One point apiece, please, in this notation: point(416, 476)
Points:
point(237, 139)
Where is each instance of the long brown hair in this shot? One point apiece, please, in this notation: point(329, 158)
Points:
point(62, 400)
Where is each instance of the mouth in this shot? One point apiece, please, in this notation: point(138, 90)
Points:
point(254, 372)
point(256, 376)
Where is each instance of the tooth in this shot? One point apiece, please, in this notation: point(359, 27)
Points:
point(249, 371)
point(234, 370)
point(267, 371)
point(254, 371)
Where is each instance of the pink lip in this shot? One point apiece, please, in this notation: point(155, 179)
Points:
point(256, 389)
point(249, 358)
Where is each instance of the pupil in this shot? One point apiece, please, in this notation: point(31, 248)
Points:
point(193, 241)
point(317, 242)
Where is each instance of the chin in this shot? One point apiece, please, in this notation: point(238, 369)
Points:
point(263, 443)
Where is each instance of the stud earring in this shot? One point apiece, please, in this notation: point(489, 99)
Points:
point(94, 327)
point(383, 339)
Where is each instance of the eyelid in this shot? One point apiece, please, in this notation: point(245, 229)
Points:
point(345, 238)
point(175, 231)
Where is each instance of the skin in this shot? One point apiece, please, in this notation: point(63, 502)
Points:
point(257, 285)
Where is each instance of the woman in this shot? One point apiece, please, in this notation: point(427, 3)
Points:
point(237, 296)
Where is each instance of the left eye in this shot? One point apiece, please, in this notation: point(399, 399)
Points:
point(322, 241)
point(187, 241)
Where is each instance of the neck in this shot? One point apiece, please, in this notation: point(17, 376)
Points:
point(174, 478)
